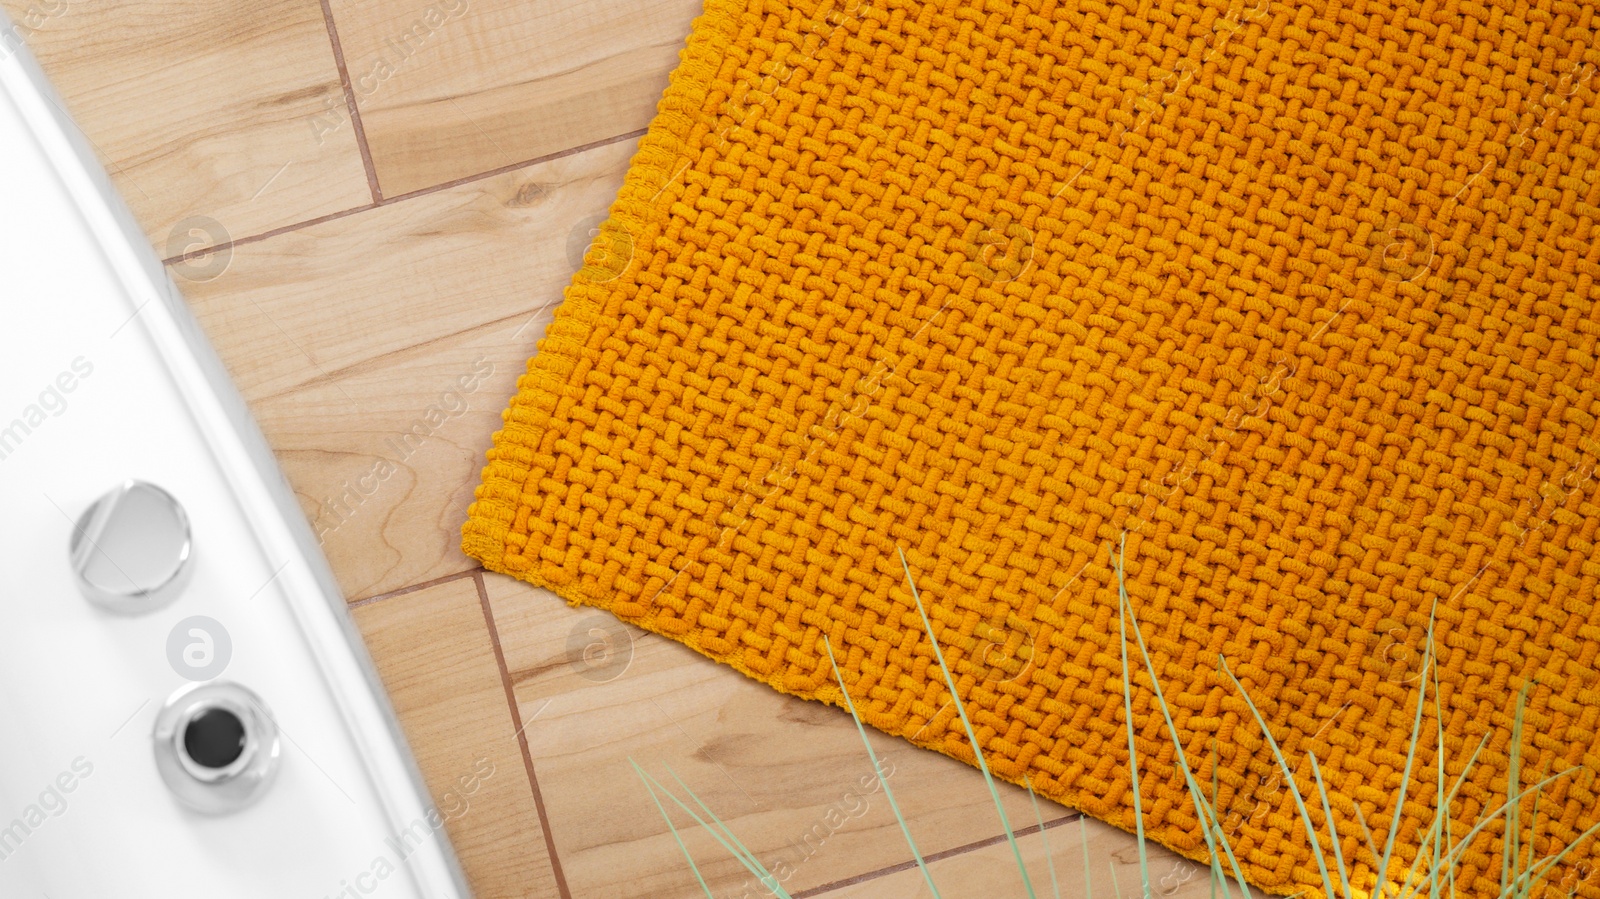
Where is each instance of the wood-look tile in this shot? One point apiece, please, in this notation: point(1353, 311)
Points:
point(433, 649)
point(384, 458)
point(226, 122)
point(378, 351)
point(451, 88)
point(790, 777)
point(207, 115)
point(991, 871)
point(313, 305)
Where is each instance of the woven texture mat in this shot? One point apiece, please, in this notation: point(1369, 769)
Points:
point(1301, 298)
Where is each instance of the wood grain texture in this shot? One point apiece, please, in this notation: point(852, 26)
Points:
point(377, 343)
point(378, 352)
point(450, 88)
point(205, 114)
point(434, 650)
point(790, 777)
point(313, 305)
point(991, 870)
point(385, 478)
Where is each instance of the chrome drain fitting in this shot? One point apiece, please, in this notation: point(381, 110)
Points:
point(216, 746)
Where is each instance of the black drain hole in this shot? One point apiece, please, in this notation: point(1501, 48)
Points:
point(214, 738)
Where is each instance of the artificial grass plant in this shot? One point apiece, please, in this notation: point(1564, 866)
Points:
point(1431, 874)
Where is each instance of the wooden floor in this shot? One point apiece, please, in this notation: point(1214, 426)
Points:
point(372, 207)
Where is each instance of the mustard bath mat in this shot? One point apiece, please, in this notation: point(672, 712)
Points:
point(1300, 297)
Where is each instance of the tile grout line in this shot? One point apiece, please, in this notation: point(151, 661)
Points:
point(369, 600)
point(269, 233)
point(511, 167)
point(522, 737)
point(350, 101)
point(420, 192)
point(930, 859)
point(538, 797)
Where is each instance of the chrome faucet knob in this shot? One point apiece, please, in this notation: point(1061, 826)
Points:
point(131, 550)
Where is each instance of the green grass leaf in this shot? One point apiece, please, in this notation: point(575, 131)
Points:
point(678, 838)
point(1133, 750)
point(884, 781)
point(719, 832)
point(1433, 867)
point(1528, 879)
point(1333, 829)
point(1055, 888)
point(1288, 775)
point(972, 735)
point(1411, 758)
point(1210, 822)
